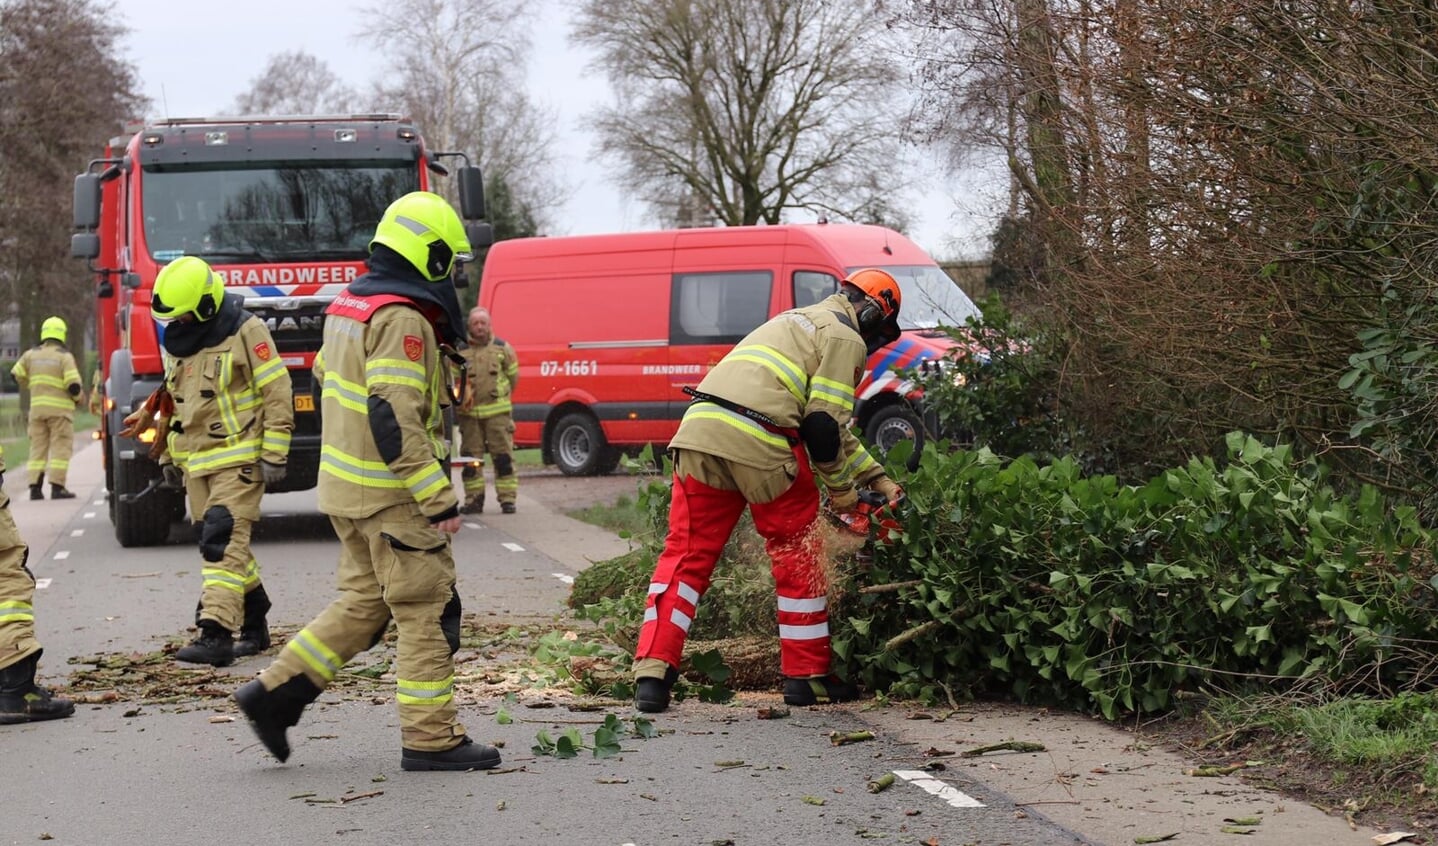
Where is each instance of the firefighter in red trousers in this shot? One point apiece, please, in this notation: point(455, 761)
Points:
point(384, 482)
point(768, 419)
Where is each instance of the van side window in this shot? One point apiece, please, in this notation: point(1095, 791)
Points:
point(810, 286)
point(718, 308)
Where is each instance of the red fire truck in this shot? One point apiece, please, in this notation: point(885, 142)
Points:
point(283, 208)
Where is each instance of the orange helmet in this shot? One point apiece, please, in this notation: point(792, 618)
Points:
point(875, 295)
point(879, 287)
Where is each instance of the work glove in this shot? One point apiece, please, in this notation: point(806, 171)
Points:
point(889, 488)
point(272, 473)
point(137, 421)
point(843, 501)
point(174, 476)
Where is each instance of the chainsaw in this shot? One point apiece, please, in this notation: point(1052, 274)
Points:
point(873, 516)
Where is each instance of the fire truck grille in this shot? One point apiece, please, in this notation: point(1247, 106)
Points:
point(298, 330)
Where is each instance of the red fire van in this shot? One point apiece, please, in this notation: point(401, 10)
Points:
point(610, 328)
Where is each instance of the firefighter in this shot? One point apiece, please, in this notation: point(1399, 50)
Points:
point(97, 392)
point(485, 422)
point(229, 438)
point(21, 700)
point(49, 371)
point(384, 481)
point(771, 416)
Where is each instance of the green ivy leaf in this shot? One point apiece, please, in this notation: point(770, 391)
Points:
point(606, 742)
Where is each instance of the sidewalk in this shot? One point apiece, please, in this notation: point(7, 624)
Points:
point(41, 521)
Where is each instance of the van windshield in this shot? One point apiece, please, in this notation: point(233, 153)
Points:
point(930, 297)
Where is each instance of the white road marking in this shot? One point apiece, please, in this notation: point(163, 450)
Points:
point(473, 525)
point(88, 514)
point(62, 555)
point(98, 502)
point(513, 547)
point(946, 792)
point(41, 584)
point(76, 533)
point(563, 577)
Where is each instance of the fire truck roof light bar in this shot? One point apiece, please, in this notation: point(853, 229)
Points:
point(375, 117)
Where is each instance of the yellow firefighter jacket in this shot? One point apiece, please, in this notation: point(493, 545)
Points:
point(802, 361)
point(49, 371)
point(493, 373)
point(373, 457)
point(232, 403)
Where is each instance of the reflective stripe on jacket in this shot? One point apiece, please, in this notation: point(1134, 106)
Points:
point(233, 403)
point(49, 372)
point(803, 361)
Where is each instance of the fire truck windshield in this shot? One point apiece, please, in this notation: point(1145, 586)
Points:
point(930, 297)
point(265, 213)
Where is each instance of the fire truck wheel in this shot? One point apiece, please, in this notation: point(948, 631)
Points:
point(141, 522)
point(579, 447)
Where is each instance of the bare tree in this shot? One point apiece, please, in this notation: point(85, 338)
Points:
point(756, 106)
point(296, 83)
point(1225, 208)
point(63, 92)
point(461, 78)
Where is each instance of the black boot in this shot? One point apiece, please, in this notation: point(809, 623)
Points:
point(473, 505)
point(36, 492)
point(825, 690)
point(651, 695)
point(271, 712)
point(23, 701)
point(215, 646)
point(468, 755)
point(59, 492)
point(255, 630)
point(506, 507)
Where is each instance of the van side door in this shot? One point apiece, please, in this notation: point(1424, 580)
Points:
point(710, 312)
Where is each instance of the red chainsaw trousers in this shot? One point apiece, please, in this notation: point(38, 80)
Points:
point(701, 519)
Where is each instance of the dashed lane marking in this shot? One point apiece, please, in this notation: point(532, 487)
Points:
point(564, 577)
point(946, 792)
point(474, 525)
point(88, 514)
point(98, 502)
point(41, 584)
point(76, 533)
point(62, 555)
point(513, 547)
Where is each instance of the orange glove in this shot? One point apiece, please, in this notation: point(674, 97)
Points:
point(843, 501)
point(137, 421)
point(889, 488)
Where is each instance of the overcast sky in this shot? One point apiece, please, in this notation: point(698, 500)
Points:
point(195, 58)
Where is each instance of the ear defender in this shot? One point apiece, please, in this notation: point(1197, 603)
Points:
point(441, 257)
point(206, 308)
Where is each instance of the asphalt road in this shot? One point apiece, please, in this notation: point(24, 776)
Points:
point(181, 769)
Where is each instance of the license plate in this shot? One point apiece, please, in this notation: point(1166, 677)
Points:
point(304, 402)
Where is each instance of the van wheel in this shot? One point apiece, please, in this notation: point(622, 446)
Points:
point(892, 424)
point(579, 448)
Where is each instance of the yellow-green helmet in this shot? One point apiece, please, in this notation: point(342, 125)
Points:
point(53, 329)
point(425, 229)
point(187, 285)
